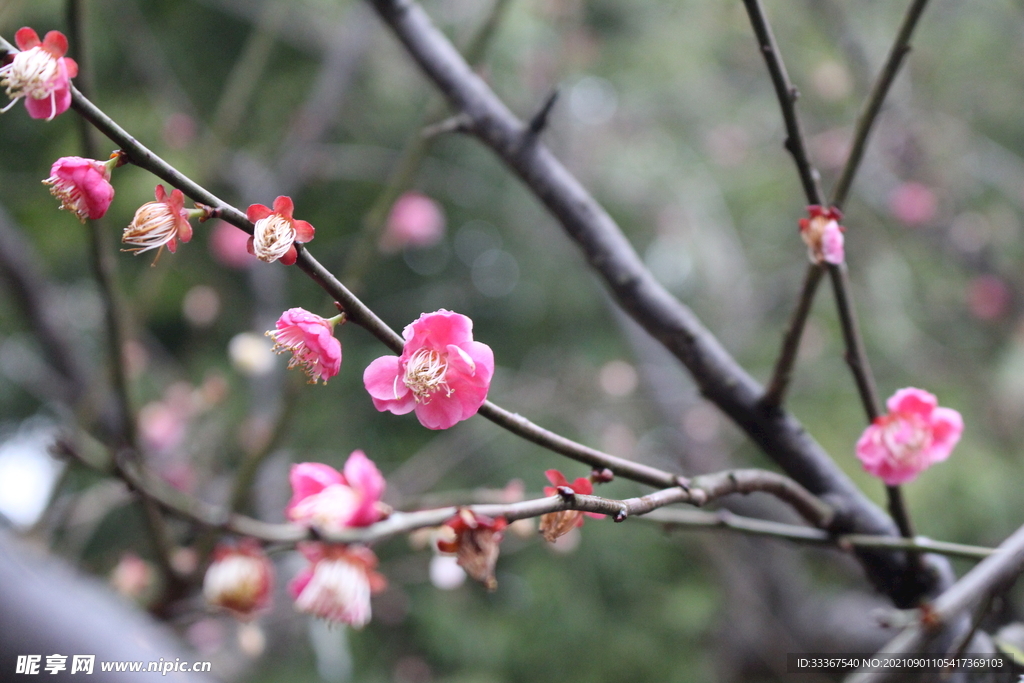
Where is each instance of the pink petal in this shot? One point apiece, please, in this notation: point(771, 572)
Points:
point(380, 377)
point(299, 583)
point(55, 43)
point(912, 401)
point(440, 413)
point(310, 478)
point(284, 206)
point(303, 231)
point(947, 426)
point(362, 475)
point(26, 38)
point(257, 212)
point(556, 478)
point(290, 256)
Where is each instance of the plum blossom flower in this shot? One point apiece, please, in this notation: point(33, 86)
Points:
point(331, 500)
point(823, 235)
point(442, 373)
point(40, 73)
point(474, 539)
point(240, 579)
point(415, 220)
point(311, 340)
point(161, 223)
point(275, 232)
point(83, 185)
point(556, 524)
point(915, 434)
point(338, 583)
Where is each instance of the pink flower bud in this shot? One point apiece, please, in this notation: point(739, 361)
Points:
point(160, 223)
point(556, 524)
point(82, 186)
point(311, 340)
point(415, 220)
point(240, 579)
point(331, 500)
point(275, 232)
point(338, 583)
point(823, 235)
point(474, 539)
point(442, 373)
point(40, 73)
point(915, 434)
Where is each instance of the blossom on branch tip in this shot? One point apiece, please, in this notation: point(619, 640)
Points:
point(161, 223)
point(556, 524)
point(338, 583)
point(915, 434)
point(474, 540)
point(311, 340)
point(40, 73)
point(240, 579)
point(823, 235)
point(442, 373)
point(83, 185)
point(332, 501)
point(275, 232)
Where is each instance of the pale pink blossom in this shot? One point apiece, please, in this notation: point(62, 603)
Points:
point(275, 232)
point(332, 501)
point(240, 579)
point(311, 341)
point(82, 185)
point(40, 73)
point(823, 235)
point(915, 434)
point(338, 583)
point(442, 373)
point(556, 524)
point(160, 223)
point(415, 220)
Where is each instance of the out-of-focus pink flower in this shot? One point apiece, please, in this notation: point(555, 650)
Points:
point(915, 434)
point(133, 577)
point(40, 73)
point(229, 245)
point(988, 297)
point(311, 340)
point(331, 500)
point(913, 203)
point(275, 232)
point(555, 524)
point(160, 223)
point(474, 539)
point(415, 220)
point(823, 235)
point(442, 373)
point(240, 579)
point(338, 583)
point(82, 185)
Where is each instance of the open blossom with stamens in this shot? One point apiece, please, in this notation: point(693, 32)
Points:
point(311, 340)
point(556, 524)
point(338, 583)
point(160, 223)
point(40, 73)
point(915, 434)
point(823, 235)
point(240, 579)
point(442, 373)
point(331, 500)
point(474, 539)
point(82, 185)
point(275, 232)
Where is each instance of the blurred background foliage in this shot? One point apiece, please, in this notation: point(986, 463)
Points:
point(666, 113)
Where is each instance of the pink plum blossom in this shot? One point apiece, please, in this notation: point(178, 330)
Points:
point(823, 235)
point(331, 500)
point(40, 73)
point(275, 232)
point(160, 223)
point(556, 524)
point(442, 373)
point(240, 579)
point(311, 340)
point(913, 204)
point(82, 185)
point(338, 583)
point(915, 434)
point(415, 220)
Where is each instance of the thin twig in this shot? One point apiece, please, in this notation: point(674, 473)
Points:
point(787, 95)
point(783, 372)
point(873, 104)
point(856, 357)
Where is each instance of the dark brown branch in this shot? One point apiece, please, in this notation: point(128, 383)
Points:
point(783, 372)
point(607, 250)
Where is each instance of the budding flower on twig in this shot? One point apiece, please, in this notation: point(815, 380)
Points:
point(330, 500)
point(83, 185)
point(240, 579)
point(338, 583)
point(311, 341)
point(823, 235)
